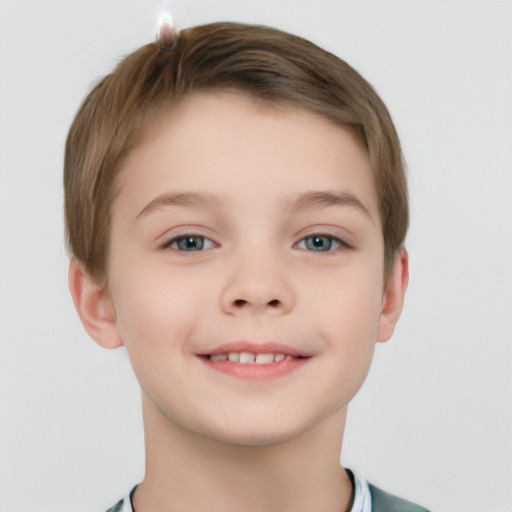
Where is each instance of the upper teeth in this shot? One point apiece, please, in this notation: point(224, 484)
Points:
point(249, 358)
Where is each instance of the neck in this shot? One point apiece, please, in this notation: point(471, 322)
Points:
point(187, 471)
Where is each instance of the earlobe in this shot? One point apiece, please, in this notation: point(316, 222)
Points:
point(393, 298)
point(94, 306)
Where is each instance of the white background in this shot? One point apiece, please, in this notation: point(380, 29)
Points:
point(433, 422)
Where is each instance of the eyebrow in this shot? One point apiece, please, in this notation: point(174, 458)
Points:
point(328, 198)
point(302, 202)
point(186, 199)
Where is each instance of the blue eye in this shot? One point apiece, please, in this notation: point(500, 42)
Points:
point(190, 243)
point(320, 243)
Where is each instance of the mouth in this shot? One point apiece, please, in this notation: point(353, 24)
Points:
point(250, 358)
point(254, 362)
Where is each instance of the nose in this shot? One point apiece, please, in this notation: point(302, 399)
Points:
point(258, 283)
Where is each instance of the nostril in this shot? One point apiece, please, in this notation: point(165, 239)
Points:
point(239, 303)
point(274, 303)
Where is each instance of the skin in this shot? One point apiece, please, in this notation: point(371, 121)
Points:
point(248, 172)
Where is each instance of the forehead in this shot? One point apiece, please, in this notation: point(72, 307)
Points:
point(230, 145)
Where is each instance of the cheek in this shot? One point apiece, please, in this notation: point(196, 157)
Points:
point(350, 326)
point(156, 311)
point(348, 320)
point(352, 300)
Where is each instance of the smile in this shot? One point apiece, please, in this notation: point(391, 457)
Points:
point(254, 362)
point(250, 358)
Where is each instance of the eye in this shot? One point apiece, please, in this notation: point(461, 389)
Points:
point(189, 243)
point(320, 243)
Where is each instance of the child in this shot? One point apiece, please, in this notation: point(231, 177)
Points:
point(236, 208)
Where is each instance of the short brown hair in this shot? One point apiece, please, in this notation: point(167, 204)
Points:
point(264, 63)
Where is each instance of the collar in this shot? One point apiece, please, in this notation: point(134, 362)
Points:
point(362, 497)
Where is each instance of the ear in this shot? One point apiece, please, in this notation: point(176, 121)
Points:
point(393, 297)
point(94, 306)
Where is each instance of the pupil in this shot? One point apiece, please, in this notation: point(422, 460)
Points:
point(190, 243)
point(319, 243)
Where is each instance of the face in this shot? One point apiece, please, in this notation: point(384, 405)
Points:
point(246, 269)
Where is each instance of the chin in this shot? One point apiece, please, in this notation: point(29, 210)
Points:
point(257, 432)
point(252, 439)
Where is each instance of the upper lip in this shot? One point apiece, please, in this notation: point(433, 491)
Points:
point(254, 348)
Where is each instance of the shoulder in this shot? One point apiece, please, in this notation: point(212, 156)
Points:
point(118, 507)
point(124, 505)
point(385, 502)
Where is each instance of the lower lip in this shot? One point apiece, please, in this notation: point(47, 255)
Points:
point(257, 372)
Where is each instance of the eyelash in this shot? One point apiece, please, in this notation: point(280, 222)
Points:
point(334, 243)
point(174, 243)
point(196, 243)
